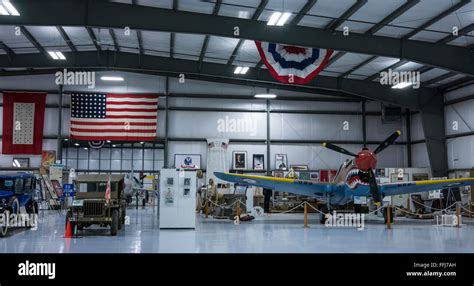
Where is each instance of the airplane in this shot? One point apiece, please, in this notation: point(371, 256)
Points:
point(355, 177)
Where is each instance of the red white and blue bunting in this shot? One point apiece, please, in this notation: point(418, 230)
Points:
point(292, 64)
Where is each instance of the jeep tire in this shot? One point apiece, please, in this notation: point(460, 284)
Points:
point(115, 222)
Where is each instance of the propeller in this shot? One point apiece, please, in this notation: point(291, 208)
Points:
point(366, 161)
point(338, 149)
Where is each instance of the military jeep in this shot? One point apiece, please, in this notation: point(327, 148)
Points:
point(90, 207)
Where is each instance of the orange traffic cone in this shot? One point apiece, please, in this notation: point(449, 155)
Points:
point(68, 233)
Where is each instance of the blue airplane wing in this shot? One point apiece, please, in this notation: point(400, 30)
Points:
point(391, 189)
point(294, 186)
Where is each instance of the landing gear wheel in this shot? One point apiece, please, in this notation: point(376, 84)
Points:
point(115, 222)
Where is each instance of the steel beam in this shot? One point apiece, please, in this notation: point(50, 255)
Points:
point(216, 72)
point(432, 119)
point(437, 18)
point(66, 38)
point(91, 13)
point(346, 15)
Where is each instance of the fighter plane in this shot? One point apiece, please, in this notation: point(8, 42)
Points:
point(355, 177)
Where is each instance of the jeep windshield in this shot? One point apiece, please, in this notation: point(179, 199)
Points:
point(7, 184)
point(96, 187)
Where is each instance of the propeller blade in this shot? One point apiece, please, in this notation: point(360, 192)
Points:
point(374, 188)
point(338, 149)
point(389, 141)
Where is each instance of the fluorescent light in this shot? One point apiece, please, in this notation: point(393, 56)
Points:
point(283, 19)
point(112, 78)
point(108, 141)
point(402, 85)
point(114, 145)
point(237, 70)
point(241, 70)
point(65, 139)
point(53, 55)
point(61, 56)
point(274, 19)
point(3, 11)
point(265, 96)
point(57, 55)
point(13, 11)
point(76, 144)
point(85, 148)
point(142, 142)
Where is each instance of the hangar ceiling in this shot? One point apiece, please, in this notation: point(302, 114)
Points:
point(399, 34)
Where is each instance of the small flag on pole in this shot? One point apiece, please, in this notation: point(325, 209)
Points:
point(107, 191)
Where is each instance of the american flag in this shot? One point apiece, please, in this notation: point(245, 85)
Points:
point(119, 117)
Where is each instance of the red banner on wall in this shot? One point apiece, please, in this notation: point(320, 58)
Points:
point(23, 122)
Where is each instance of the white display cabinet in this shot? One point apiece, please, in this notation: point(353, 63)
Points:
point(177, 198)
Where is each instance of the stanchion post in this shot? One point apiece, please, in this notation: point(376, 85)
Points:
point(389, 213)
point(238, 209)
point(458, 215)
point(306, 214)
point(206, 209)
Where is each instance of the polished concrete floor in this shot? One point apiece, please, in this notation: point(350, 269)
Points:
point(278, 233)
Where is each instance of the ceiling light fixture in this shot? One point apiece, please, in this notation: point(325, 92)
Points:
point(241, 70)
point(112, 78)
point(7, 8)
point(274, 19)
point(76, 144)
point(267, 96)
point(278, 19)
point(283, 19)
point(402, 85)
point(57, 55)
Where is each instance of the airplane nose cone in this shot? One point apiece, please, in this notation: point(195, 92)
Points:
point(366, 160)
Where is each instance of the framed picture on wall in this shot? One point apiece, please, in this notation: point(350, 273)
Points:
point(239, 160)
point(258, 162)
point(299, 167)
point(21, 163)
point(304, 176)
point(314, 176)
point(278, 174)
point(187, 161)
point(281, 162)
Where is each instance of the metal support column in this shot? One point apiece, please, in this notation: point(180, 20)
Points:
point(59, 155)
point(166, 149)
point(268, 167)
point(408, 123)
point(364, 124)
point(432, 119)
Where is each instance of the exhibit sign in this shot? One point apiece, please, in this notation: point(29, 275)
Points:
point(187, 161)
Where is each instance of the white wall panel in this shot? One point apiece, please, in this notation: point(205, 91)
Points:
point(461, 92)
point(379, 131)
point(315, 127)
point(217, 103)
point(185, 124)
point(460, 116)
point(315, 105)
point(420, 157)
point(417, 128)
point(461, 152)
